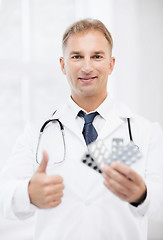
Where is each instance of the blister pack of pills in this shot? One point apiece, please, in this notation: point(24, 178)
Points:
point(98, 153)
point(89, 161)
point(127, 154)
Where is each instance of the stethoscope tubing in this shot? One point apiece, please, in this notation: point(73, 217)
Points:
point(63, 137)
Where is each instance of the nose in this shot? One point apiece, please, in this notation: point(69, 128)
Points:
point(87, 66)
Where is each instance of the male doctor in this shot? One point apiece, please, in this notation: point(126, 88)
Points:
point(70, 199)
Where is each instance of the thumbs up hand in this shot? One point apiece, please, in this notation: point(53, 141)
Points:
point(45, 191)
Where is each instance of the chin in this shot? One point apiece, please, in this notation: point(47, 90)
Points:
point(89, 94)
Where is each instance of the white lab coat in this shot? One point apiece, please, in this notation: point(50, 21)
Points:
point(88, 209)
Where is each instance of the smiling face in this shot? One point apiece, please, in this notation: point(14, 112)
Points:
point(87, 63)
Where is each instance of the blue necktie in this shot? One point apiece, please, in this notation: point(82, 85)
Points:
point(89, 132)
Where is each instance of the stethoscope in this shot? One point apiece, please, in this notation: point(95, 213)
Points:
point(41, 133)
point(61, 126)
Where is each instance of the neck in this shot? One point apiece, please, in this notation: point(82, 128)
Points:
point(89, 104)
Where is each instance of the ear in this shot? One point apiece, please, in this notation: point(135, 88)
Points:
point(62, 63)
point(111, 65)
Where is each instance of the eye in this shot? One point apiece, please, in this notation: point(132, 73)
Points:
point(76, 57)
point(97, 57)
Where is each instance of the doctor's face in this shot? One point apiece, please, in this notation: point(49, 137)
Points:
point(87, 63)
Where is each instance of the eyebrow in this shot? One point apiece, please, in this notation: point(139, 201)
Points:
point(99, 52)
point(96, 52)
point(75, 52)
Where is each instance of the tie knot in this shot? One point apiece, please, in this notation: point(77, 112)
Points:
point(88, 118)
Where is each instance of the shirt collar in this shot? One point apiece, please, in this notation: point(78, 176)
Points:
point(103, 109)
point(74, 108)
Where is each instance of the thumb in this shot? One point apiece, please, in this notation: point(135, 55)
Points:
point(43, 164)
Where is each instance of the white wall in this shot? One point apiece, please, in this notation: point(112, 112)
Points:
point(32, 85)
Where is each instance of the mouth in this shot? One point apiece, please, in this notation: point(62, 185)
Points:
point(87, 79)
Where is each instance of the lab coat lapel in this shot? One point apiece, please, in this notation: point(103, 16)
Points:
point(115, 118)
point(71, 124)
point(113, 121)
point(68, 120)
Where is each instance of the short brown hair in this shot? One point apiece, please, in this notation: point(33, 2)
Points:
point(85, 25)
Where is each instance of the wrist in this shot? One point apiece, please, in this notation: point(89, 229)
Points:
point(140, 200)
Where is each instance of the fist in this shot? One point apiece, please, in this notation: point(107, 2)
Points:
point(45, 191)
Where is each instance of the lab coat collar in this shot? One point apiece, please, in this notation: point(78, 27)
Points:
point(109, 105)
point(67, 114)
point(113, 111)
